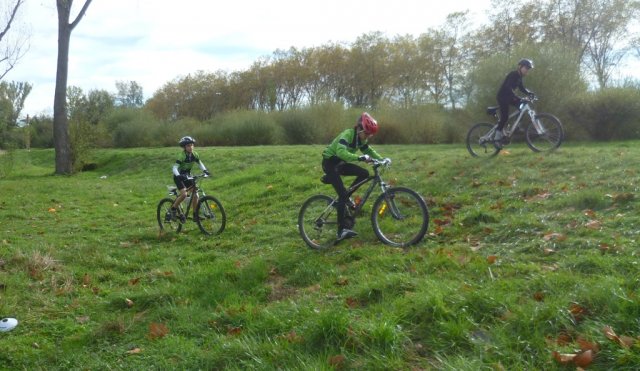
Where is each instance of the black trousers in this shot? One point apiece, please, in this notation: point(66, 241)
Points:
point(334, 168)
point(504, 109)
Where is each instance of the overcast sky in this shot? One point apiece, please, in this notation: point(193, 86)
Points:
point(153, 42)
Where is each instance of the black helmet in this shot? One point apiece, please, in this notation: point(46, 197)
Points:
point(186, 140)
point(526, 62)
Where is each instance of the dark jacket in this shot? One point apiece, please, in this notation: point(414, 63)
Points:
point(507, 94)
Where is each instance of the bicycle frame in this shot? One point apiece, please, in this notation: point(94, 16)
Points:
point(190, 191)
point(525, 107)
point(376, 180)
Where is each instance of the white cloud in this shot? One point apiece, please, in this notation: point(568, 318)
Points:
point(155, 41)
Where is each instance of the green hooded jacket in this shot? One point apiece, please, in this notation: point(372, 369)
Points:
point(345, 146)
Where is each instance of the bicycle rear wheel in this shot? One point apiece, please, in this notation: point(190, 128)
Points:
point(400, 217)
point(165, 223)
point(480, 140)
point(210, 216)
point(550, 136)
point(317, 222)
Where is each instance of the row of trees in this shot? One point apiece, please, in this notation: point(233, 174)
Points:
point(434, 67)
point(575, 43)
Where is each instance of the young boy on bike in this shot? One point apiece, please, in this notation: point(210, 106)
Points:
point(506, 94)
point(182, 175)
point(337, 160)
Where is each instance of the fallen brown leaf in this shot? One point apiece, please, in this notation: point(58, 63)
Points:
point(234, 330)
point(134, 351)
point(593, 224)
point(583, 359)
point(157, 330)
point(563, 358)
point(337, 361)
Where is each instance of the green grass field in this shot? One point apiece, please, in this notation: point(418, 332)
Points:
point(530, 260)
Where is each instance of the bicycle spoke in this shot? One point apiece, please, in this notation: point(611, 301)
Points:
point(210, 216)
point(317, 222)
point(480, 140)
point(400, 217)
point(546, 134)
point(166, 220)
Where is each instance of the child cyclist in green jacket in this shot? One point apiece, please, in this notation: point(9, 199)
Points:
point(337, 160)
point(182, 175)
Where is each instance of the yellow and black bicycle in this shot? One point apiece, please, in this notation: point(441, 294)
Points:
point(209, 214)
point(399, 216)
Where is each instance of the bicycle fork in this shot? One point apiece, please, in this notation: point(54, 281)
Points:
point(536, 123)
point(391, 206)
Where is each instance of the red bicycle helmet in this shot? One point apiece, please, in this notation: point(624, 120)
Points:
point(368, 123)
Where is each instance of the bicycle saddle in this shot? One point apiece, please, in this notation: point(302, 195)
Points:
point(491, 111)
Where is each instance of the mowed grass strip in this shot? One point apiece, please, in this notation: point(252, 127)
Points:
point(531, 260)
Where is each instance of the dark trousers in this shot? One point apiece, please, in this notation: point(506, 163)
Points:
point(334, 168)
point(504, 110)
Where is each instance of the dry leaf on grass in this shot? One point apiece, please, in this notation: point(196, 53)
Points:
point(157, 330)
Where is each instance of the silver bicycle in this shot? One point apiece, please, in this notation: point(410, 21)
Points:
point(543, 133)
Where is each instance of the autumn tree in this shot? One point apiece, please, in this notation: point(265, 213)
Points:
point(369, 72)
point(64, 156)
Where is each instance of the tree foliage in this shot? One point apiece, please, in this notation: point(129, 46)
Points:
point(129, 94)
point(437, 67)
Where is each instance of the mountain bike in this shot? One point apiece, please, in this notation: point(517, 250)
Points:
point(543, 133)
point(399, 216)
point(209, 214)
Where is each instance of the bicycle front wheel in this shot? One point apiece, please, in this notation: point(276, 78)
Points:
point(480, 140)
point(400, 217)
point(165, 220)
point(210, 216)
point(546, 135)
point(317, 222)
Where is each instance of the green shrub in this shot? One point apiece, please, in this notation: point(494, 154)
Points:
point(298, 128)
point(132, 127)
point(610, 114)
point(248, 128)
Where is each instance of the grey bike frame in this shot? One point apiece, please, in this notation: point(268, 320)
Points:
point(525, 107)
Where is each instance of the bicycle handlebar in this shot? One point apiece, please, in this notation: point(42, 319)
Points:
point(198, 176)
point(383, 162)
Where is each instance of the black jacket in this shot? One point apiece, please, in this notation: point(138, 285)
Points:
point(511, 82)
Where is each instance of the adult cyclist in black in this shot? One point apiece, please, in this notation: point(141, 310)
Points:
point(507, 97)
point(337, 160)
point(182, 175)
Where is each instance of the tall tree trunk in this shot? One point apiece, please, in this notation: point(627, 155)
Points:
point(61, 141)
point(62, 144)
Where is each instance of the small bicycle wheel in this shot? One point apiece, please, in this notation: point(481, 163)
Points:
point(210, 215)
point(480, 140)
point(547, 136)
point(400, 217)
point(317, 222)
point(165, 221)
